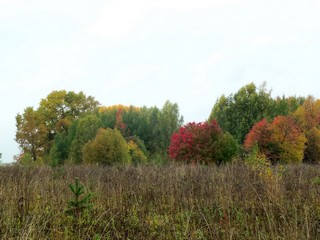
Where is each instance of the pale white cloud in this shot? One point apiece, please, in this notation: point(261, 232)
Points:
point(132, 76)
point(76, 11)
point(209, 62)
point(118, 18)
point(61, 61)
point(137, 84)
point(317, 2)
point(263, 40)
point(9, 2)
point(166, 54)
point(201, 81)
point(192, 5)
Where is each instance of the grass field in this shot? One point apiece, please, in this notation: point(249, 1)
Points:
point(168, 202)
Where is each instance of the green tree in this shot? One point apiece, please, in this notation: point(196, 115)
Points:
point(108, 115)
point(60, 150)
point(86, 129)
point(80, 202)
point(107, 148)
point(153, 126)
point(237, 113)
point(136, 122)
point(226, 148)
point(151, 137)
point(169, 122)
point(285, 105)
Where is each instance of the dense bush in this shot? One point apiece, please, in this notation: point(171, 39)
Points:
point(281, 141)
point(108, 148)
point(202, 143)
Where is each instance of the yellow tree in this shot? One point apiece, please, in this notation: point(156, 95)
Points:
point(60, 108)
point(308, 115)
point(289, 139)
point(136, 154)
point(31, 133)
point(37, 129)
point(308, 118)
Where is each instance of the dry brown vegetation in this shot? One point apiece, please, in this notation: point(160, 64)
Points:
point(168, 202)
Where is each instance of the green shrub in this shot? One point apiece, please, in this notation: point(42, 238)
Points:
point(108, 148)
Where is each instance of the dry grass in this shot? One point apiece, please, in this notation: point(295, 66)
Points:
point(170, 202)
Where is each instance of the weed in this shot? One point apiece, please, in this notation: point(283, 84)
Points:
point(159, 202)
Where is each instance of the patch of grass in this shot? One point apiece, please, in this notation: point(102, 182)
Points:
point(170, 202)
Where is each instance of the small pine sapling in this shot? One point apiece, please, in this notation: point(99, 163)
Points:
point(78, 204)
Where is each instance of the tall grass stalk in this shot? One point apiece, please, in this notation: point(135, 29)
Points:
point(169, 202)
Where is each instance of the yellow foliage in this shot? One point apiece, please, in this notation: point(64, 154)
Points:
point(26, 160)
point(107, 148)
point(258, 162)
point(116, 107)
point(308, 114)
point(137, 156)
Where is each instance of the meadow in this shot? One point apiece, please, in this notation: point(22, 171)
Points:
point(174, 201)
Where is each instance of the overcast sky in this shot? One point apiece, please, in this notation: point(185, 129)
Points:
point(144, 52)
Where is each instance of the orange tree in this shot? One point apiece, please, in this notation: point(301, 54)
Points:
point(260, 135)
point(281, 141)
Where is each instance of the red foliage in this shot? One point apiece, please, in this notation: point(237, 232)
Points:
point(282, 140)
point(260, 134)
point(181, 142)
point(120, 125)
point(286, 128)
point(194, 142)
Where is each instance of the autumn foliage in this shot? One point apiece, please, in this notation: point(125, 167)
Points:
point(308, 118)
point(58, 130)
point(202, 143)
point(261, 134)
point(119, 124)
point(280, 141)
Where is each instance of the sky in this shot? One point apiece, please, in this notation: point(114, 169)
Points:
point(144, 52)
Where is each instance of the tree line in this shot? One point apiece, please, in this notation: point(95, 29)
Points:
point(282, 129)
point(70, 127)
